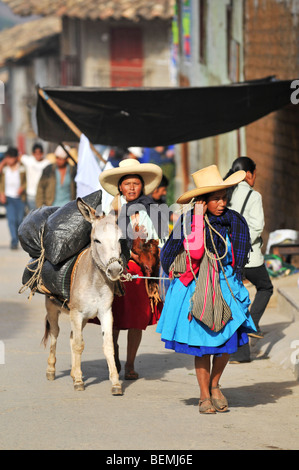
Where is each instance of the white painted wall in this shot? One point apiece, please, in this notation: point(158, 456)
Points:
point(221, 149)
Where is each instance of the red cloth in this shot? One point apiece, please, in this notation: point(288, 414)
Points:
point(133, 310)
point(196, 249)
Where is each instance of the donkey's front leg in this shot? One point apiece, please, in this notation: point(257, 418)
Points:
point(77, 347)
point(107, 324)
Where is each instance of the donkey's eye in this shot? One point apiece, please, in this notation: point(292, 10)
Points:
point(97, 241)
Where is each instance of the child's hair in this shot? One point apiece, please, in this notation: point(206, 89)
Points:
point(11, 152)
point(241, 163)
point(37, 146)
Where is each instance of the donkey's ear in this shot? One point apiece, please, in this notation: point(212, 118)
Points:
point(88, 212)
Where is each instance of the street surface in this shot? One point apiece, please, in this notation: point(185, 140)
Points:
point(157, 412)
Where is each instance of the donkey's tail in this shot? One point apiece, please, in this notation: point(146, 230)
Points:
point(46, 335)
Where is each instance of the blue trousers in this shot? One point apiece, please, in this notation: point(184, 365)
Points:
point(15, 211)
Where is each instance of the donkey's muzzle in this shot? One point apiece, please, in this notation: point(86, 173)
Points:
point(114, 271)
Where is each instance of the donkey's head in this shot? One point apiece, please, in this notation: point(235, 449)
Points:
point(105, 241)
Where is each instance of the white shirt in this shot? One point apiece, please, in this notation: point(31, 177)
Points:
point(34, 169)
point(12, 182)
point(254, 216)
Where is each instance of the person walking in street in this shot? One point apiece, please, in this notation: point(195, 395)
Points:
point(13, 192)
point(206, 307)
point(164, 157)
point(248, 202)
point(159, 194)
point(34, 165)
point(57, 185)
point(131, 183)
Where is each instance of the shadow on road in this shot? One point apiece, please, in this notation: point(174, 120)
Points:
point(249, 396)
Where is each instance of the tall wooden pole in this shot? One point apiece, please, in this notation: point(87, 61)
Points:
point(66, 120)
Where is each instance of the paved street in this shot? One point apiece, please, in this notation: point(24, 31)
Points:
point(157, 412)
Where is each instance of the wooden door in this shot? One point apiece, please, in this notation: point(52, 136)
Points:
point(126, 57)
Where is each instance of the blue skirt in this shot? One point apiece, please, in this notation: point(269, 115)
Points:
point(190, 336)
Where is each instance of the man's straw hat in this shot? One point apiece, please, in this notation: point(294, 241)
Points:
point(209, 180)
point(150, 173)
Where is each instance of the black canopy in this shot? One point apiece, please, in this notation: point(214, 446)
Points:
point(148, 117)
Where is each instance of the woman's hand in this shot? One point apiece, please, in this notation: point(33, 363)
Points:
point(200, 207)
point(2, 198)
point(139, 231)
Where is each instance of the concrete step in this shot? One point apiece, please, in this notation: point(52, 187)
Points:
point(280, 323)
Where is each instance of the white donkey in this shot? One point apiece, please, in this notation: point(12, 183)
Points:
point(91, 295)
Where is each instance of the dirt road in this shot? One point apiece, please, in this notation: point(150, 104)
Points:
point(157, 412)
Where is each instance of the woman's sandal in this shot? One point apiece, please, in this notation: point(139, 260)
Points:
point(206, 406)
point(220, 404)
point(131, 375)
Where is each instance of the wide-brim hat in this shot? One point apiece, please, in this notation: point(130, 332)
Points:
point(150, 173)
point(209, 180)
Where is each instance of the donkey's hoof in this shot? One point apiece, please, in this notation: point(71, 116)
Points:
point(50, 375)
point(79, 387)
point(116, 390)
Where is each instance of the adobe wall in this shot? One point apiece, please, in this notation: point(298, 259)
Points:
point(271, 47)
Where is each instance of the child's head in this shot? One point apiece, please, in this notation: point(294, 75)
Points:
point(248, 165)
point(11, 156)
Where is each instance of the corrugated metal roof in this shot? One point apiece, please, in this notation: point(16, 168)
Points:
point(23, 39)
point(95, 9)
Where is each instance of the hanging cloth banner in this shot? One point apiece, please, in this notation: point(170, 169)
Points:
point(147, 117)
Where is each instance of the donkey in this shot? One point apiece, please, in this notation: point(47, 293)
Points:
point(91, 295)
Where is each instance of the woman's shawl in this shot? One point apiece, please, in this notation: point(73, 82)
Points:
point(230, 222)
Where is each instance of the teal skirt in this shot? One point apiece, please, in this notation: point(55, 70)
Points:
point(184, 333)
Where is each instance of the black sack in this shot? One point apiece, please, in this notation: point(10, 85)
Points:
point(66, 231)
point(55, 278)
point(29, 231)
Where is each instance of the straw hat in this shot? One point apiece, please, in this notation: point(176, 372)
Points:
point(209, 180)
point(150, 173)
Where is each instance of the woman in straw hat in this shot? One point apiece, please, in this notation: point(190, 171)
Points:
point(131, 183)
point(206, 307)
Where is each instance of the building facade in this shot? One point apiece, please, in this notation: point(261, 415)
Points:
point(208, 48)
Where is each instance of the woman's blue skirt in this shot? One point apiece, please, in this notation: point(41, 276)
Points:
point(185, 334)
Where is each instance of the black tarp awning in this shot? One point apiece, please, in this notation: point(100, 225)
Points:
point(148, 117)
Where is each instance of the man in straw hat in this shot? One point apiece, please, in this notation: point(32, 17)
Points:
point(131, 183)
point(206, 307)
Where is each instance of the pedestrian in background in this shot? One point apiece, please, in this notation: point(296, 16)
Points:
point(159, 195)
point(248, 202)
point(13, 192)
point(57, 185)
point(164, 157)
point(34, 165)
